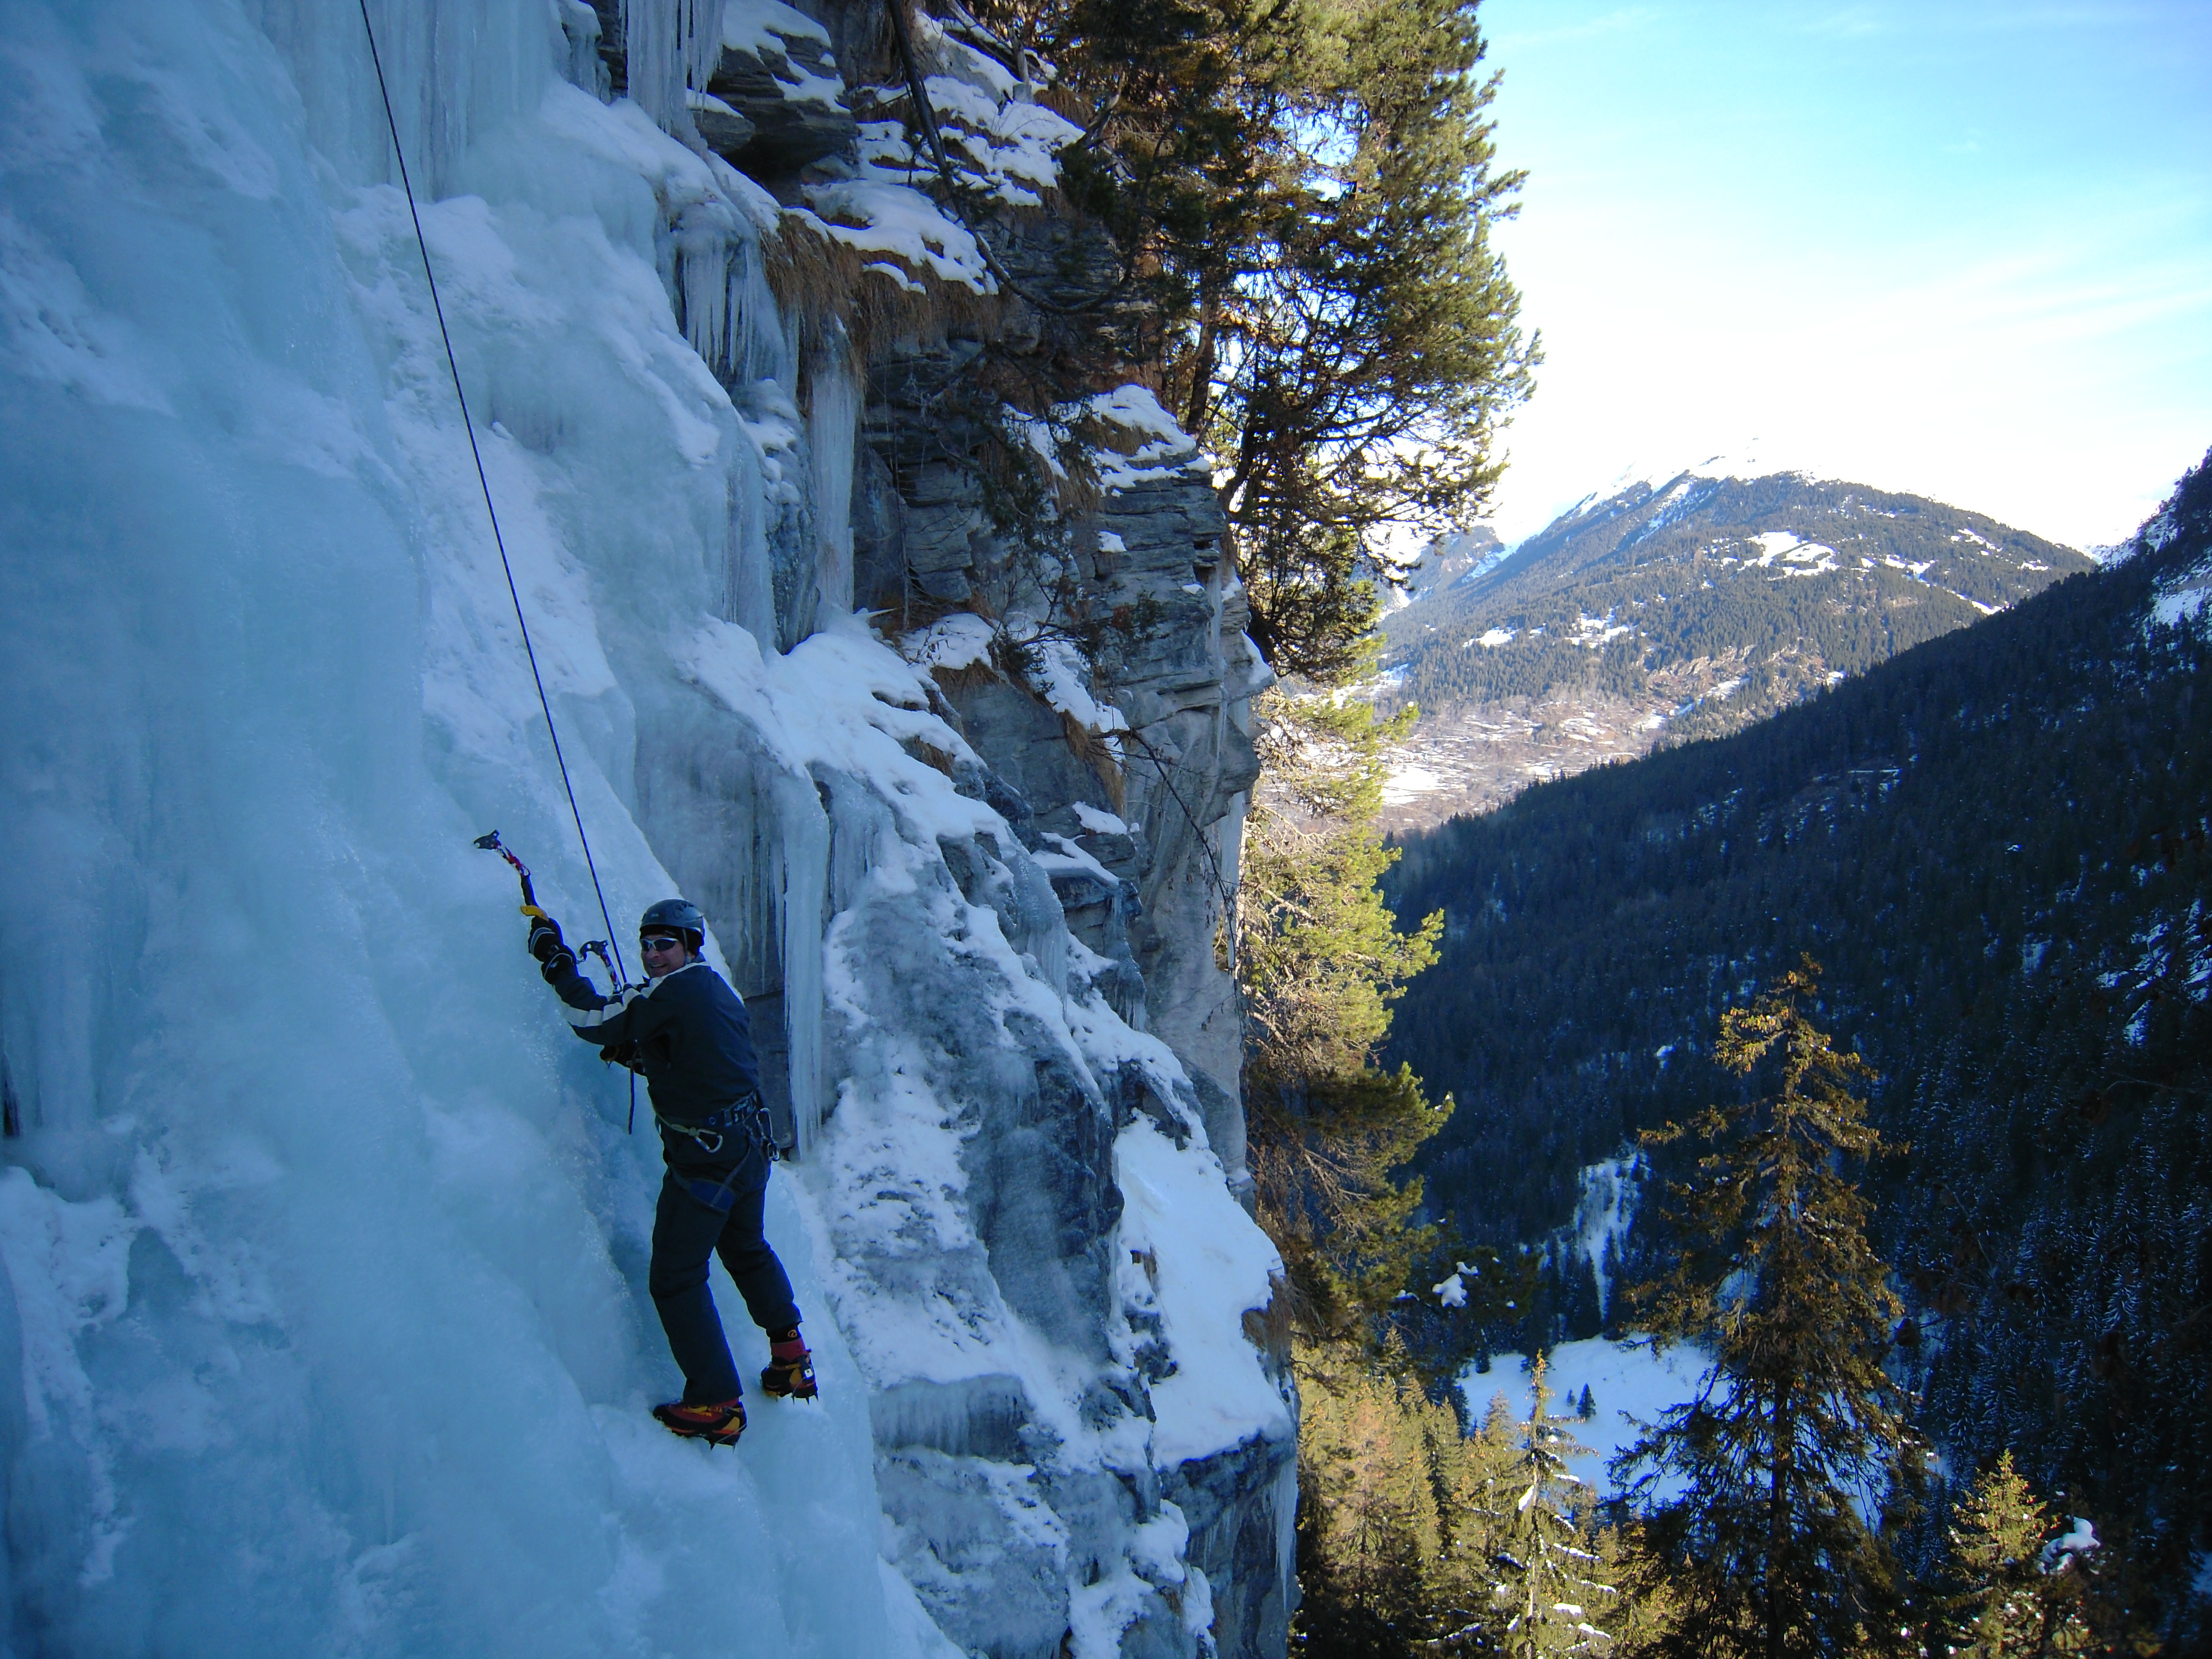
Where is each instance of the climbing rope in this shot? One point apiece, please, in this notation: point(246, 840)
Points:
point(452, 365)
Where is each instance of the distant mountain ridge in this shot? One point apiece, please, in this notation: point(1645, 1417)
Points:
point(1447, 562)
point(1669, 611)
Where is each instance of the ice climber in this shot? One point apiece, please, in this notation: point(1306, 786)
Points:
point(688, 1031)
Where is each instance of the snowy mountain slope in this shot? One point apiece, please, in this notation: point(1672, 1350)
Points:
point(1676, 607)
point(324, 1243)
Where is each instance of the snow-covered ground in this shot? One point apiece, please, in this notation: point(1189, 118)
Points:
point(1625, 1384)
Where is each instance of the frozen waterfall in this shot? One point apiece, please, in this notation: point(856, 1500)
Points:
point(323, 1326)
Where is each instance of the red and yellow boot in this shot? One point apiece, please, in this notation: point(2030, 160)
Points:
point(790, 1373)
point(718, 1425)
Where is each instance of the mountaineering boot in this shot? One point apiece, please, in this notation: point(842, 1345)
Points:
point(790, 1373)
point(717, 1425)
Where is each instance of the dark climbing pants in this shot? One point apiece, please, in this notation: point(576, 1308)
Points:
point(686, 1235)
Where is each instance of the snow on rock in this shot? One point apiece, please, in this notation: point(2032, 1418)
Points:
point(766, 25)
point(958, 641)
point(1158, 447)
point(1451, 1290)
point(1009, 141)
point(1206, 1265)
point(1005, 142)
point(1098, 821)
point(1064, 683)
point(876, 217)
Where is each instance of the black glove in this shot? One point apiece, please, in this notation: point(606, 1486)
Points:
point(545, 937)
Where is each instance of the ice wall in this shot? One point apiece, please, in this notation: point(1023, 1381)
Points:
point(324, 1243)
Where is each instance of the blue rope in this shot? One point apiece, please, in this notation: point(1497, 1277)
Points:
point(614, 942)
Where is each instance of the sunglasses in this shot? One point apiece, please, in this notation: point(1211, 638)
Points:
point(652, 942)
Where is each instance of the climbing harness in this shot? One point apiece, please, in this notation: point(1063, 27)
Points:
point(453, 367)
point(747, 1117)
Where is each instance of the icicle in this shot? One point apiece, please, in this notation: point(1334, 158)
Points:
point(672, 45)
point(833, 418)
point(749, 591)
point(656, 71)
point(702, 41)
point(761, 348)
point(456, 70)
point(805, 860)
point(704, 238)
point(859, 822)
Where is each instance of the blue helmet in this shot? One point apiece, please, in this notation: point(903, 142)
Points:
point(675, 915)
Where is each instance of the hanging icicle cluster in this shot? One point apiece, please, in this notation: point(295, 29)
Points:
point(673, 48)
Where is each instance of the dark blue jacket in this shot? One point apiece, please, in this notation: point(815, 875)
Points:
point(693, 1040)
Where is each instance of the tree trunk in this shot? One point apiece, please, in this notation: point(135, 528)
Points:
point(1201, 362)
point(1777, 1518)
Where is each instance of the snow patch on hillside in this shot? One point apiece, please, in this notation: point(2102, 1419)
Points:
point(1603, 1215)
point(1629, 1385)
point(2183, 598)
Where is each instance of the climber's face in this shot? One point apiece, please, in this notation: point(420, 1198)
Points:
point(664, 953)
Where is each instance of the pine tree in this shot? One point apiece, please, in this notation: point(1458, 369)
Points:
point(1548, 1555)
point(1369, 1526)
point(1304, 195)
point(1321, 960)
point(1470, 1601)
point(1796, 1433)
point(1369, 342)
point(1399, 1514)
point(2013, 1599)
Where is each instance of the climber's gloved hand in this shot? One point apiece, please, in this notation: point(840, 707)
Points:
point(545, 939)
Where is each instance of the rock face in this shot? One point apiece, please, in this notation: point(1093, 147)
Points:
point(1031, 1507)
point(779, 74)
point(1130, 795)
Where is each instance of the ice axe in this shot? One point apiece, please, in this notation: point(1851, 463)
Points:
point(492, 843)
point(598, 947)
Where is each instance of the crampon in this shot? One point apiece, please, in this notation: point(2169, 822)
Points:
point(789, 1379)
point(717, 1425)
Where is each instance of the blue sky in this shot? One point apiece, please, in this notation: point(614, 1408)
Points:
point(1958, 248)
